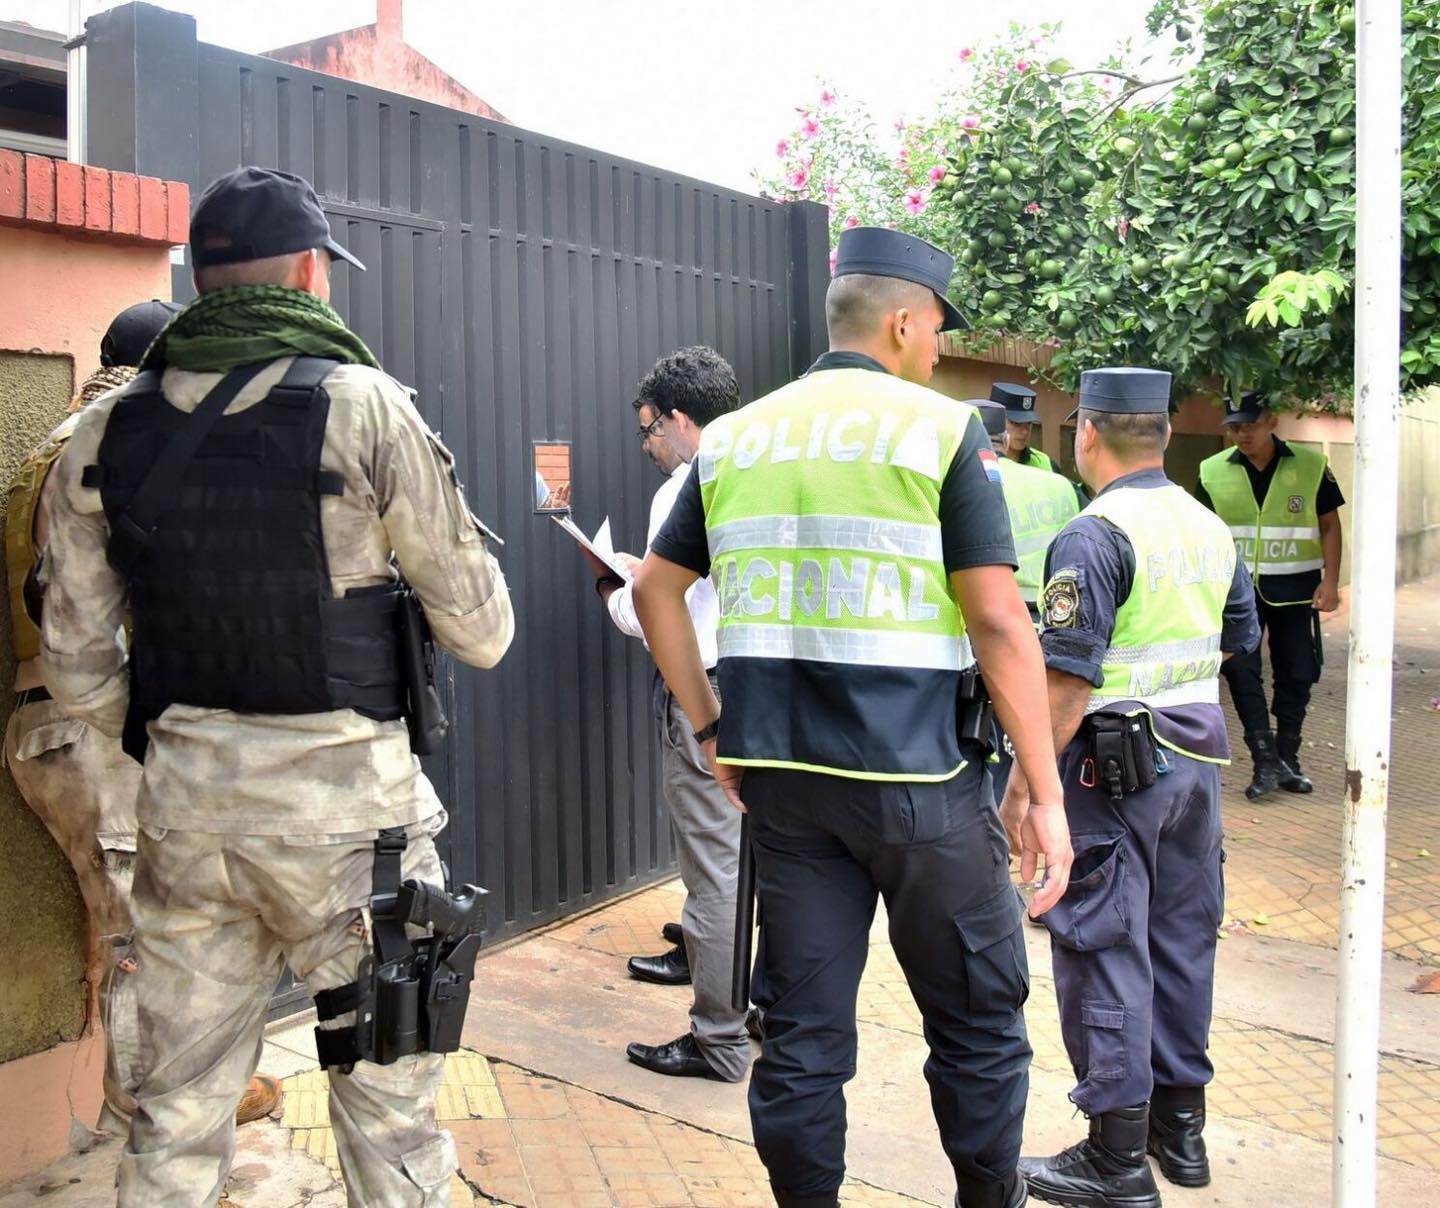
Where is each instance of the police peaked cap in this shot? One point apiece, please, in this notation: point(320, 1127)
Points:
point(1018, 401)
point(881, 252)
point(992, 414)
point(133, 330)
point(1252, 406)
point(1124, 391)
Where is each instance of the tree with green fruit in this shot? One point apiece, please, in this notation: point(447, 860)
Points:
point(1199, 219)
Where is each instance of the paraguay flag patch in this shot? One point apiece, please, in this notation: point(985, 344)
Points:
point(990, 464)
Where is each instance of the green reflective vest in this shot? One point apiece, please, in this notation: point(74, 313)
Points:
point(1037, 460)
point(1041, 504)
point(840, 645)
point(1165, 648)
point(1281, 534)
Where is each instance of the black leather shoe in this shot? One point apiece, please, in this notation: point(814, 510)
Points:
point(672, 969)
point(1292, 779)
point(1106, 1170)
point(755, 1024)
point(673, 933)
point(681, 1058)
point(1268, 768)
point(1177, 1120)
point(1009, 1194)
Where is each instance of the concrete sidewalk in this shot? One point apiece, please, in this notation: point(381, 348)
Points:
point(546, 1110)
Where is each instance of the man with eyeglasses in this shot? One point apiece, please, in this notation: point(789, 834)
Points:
point(678, 397)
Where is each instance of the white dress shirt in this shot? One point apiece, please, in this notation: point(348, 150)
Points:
point(701, 600)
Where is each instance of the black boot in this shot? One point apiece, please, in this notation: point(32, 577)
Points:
point(1177, 1122)
point(974, 1194)
point(1292, 779)
point(1106, 1170)
point(1268, 768)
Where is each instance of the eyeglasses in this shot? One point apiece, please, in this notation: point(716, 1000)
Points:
point(652, 429)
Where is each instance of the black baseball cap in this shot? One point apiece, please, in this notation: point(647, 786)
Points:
point(881, 252)
point(253, 213)
point(1252, 406)
point(133, 330)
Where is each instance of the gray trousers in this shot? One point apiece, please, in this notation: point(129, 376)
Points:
point(707, 845)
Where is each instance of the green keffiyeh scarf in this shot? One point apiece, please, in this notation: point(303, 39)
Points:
point(248, 323)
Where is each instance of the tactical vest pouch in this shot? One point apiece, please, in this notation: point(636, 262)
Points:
point(1123, 750)
point(974, 711)
point(410, 995)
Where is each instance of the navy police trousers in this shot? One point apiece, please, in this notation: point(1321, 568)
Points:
point(1133, 939)
point(825, 847)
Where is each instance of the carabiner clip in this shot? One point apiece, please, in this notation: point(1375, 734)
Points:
point(1087, 768)
point(1162, 762)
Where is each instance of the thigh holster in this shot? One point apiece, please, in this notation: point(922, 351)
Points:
point(410, 995)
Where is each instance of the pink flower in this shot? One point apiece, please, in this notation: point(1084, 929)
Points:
point(1033, 208)
point(971, 121)
point(915, 201)
point(899, 125)
point(966, 54)
point(827, 98)
point(834, 259)
point(1124, 227)
point(809, 128)
point(831, 188)
point(852, 221)
point(1021, 67)
point(782, 148)
point(798, 178)
point(937, 174)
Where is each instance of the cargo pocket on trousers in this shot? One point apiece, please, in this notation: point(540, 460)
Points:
point(1093, 914)
point(1104, 1024)
point(122, 1013)
point(997, 974)
point(51, 737)
point(430, 1166)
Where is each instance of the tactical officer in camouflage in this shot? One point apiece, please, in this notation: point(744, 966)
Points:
point(262, 684)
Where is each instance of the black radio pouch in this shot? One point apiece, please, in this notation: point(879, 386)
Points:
point(974, 711)
point(1124, 752)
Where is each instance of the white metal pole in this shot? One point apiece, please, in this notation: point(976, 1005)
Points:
point(75, 87)
point(1372, 596)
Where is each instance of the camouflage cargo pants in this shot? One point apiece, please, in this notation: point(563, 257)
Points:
point(83, 787)
point(216, 916)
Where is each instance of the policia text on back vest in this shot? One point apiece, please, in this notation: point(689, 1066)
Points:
point(1279, 535)
point(841, 647)
point(1040, 503)
point(1165, 647)
point(215, 524)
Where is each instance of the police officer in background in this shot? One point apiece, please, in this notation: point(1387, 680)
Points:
point(855, 528)
point(1282, 504)
point(1021, 416)
point(1143, 600)
point(263, 687)
point(78, 780)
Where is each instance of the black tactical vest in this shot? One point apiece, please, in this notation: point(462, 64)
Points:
point(232, 604)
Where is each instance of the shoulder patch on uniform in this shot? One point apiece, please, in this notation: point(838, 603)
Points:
point(1060, 605)
point(1329, 473)
point(990, 463)
point(1296, 503)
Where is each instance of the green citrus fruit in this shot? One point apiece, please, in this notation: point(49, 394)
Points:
point(1085, 178)
point(1207, 102)
point(1124, 146)
point(1066, 184)
point(1050, 269)
point(1002, 174)
point(1140, 266)
point(1064, 232)
point(1032, 258)
point(1105, 295)
point(1341, 136)
point(997, 239)
point(1197, 123)
point(976, 246)
point(1067, 321)
point(1346, 24)
point(1234, 153)
point(967, 256)
point(1016, 166)
point(1013, 205)
point(1219, 278)
point(991, 299)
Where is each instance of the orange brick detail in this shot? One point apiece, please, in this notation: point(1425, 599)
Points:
point(125, 203)
point(97, 200)
point(39, 188)
point(154, 222)
point(12, 184)
point(69, 194)
point(177, 209)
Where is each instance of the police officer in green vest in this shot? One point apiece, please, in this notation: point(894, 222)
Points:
point(855, 528)
point(1021, 416)
point(1282, 504)
point(1143, 600)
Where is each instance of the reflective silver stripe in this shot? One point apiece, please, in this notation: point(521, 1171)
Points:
point(1034, 543)
point(1198, 692)
point(1292, 568)
point(1162, 652)
point(1244, 531)
point(861, 534)
point(863, 647)
point(1286, 532)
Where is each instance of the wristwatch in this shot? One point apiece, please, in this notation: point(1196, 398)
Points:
point(706, 733)
point(604, 581)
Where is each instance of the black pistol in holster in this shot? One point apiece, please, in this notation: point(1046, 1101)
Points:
point(424, 713)
point(1123, 750)
point(411, 994)
point(974, 711)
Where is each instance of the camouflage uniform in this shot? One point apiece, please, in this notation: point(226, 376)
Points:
point(256, 831)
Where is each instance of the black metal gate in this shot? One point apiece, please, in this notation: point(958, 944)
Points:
point(523, 285)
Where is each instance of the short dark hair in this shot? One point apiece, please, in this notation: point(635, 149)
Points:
point(857, 302)
point(695, 380)
point(1130, 435)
